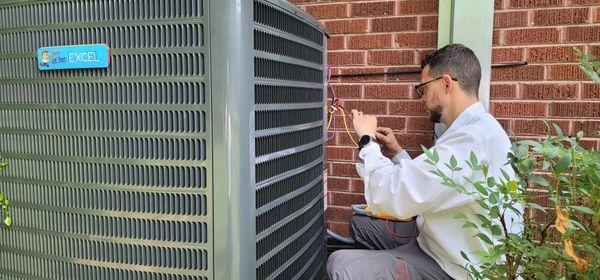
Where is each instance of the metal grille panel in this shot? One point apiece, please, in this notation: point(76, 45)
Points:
point(289, 100)
point(110, 172)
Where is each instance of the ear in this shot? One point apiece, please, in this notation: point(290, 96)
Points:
point(450, 84)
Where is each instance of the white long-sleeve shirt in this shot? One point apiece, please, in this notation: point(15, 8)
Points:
point(405, 188)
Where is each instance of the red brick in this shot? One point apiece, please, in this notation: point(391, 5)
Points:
point(340, 228)
point(338, 183)
point(302, 2)
point(531, 36)
point(346, 58)
point(549, 91)
point(351, 72)
point(339, 214)
point(583, 34)
point(414, 140)
point(537, 127)
point(367, 106)
point(496, 36)
point(518, 109)
point(566, 72)
point(417, 39)
point(552, 54)
point(338, 122)
point(575, 109)
point(521, 73)
point(595, 50)
point(347, 199)
point(347, 26)
point(391, 57)
point(395, 123)
point(328, 11)
point(373, 9)
point(387, 91)
point(560, 16)
point(589, 144)
point(534, 3)
point(498, 5)
point(393, 24)
point(408, 108)
point(408, 74)
point(417, 124)
point(503, 91)
point(335, 42)
point(358, 186)
point(510, 19)
point(343, 169)
point(506, 124)
point(379, 41)
point(345, 91)
point(589, 128)
point(500, 55)
point(417, 7)
point(340, 153)
point(342, 138)
point(414, 153)
point(585, 2)
point(591, 91)
point(423, 54)
point(597, 12)
point(429, 23)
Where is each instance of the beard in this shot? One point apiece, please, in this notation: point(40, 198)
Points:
point(435, 114)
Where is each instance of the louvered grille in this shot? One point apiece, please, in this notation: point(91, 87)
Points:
point(289, 147)
point(110, 175)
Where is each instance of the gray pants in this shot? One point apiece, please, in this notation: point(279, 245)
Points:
point(391, 252)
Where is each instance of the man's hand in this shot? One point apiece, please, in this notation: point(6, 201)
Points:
point(389, 145)
point(364, 124)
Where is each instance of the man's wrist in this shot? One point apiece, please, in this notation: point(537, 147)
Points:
point(366, 140)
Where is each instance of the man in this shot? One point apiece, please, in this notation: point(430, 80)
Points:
point(403, 187)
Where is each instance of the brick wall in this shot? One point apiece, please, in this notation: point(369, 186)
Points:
point(383, 36)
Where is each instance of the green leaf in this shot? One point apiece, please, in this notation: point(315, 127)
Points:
point(484, 221)
point(469, 225)
point(536, 206)
point(568, 233)
point(493, 198)
point(578, 224)
point(505, 174)
point(485, 170)
point(584, 209)
point(427, 153)
point(491, 182)
point(473, 159)
point(494, 211)
point(436, 156)
point(496, 230)
point(529, 143)
point(453, 162)
point(562, 164)
point(558, 130)
point(481, 253)
point(7, 221)
point(483, 204)
point(480, 189)
point(539, 180)
point(512, 186)
point(484, 238)
point(459, 216)
point(464, 256)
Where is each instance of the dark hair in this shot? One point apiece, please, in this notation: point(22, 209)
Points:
point(457, 61)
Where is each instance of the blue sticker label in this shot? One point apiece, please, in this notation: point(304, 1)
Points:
point(73, 57)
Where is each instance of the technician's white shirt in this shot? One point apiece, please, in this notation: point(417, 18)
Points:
point(404, 187)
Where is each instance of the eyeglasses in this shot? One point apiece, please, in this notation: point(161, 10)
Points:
point(420, 88)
